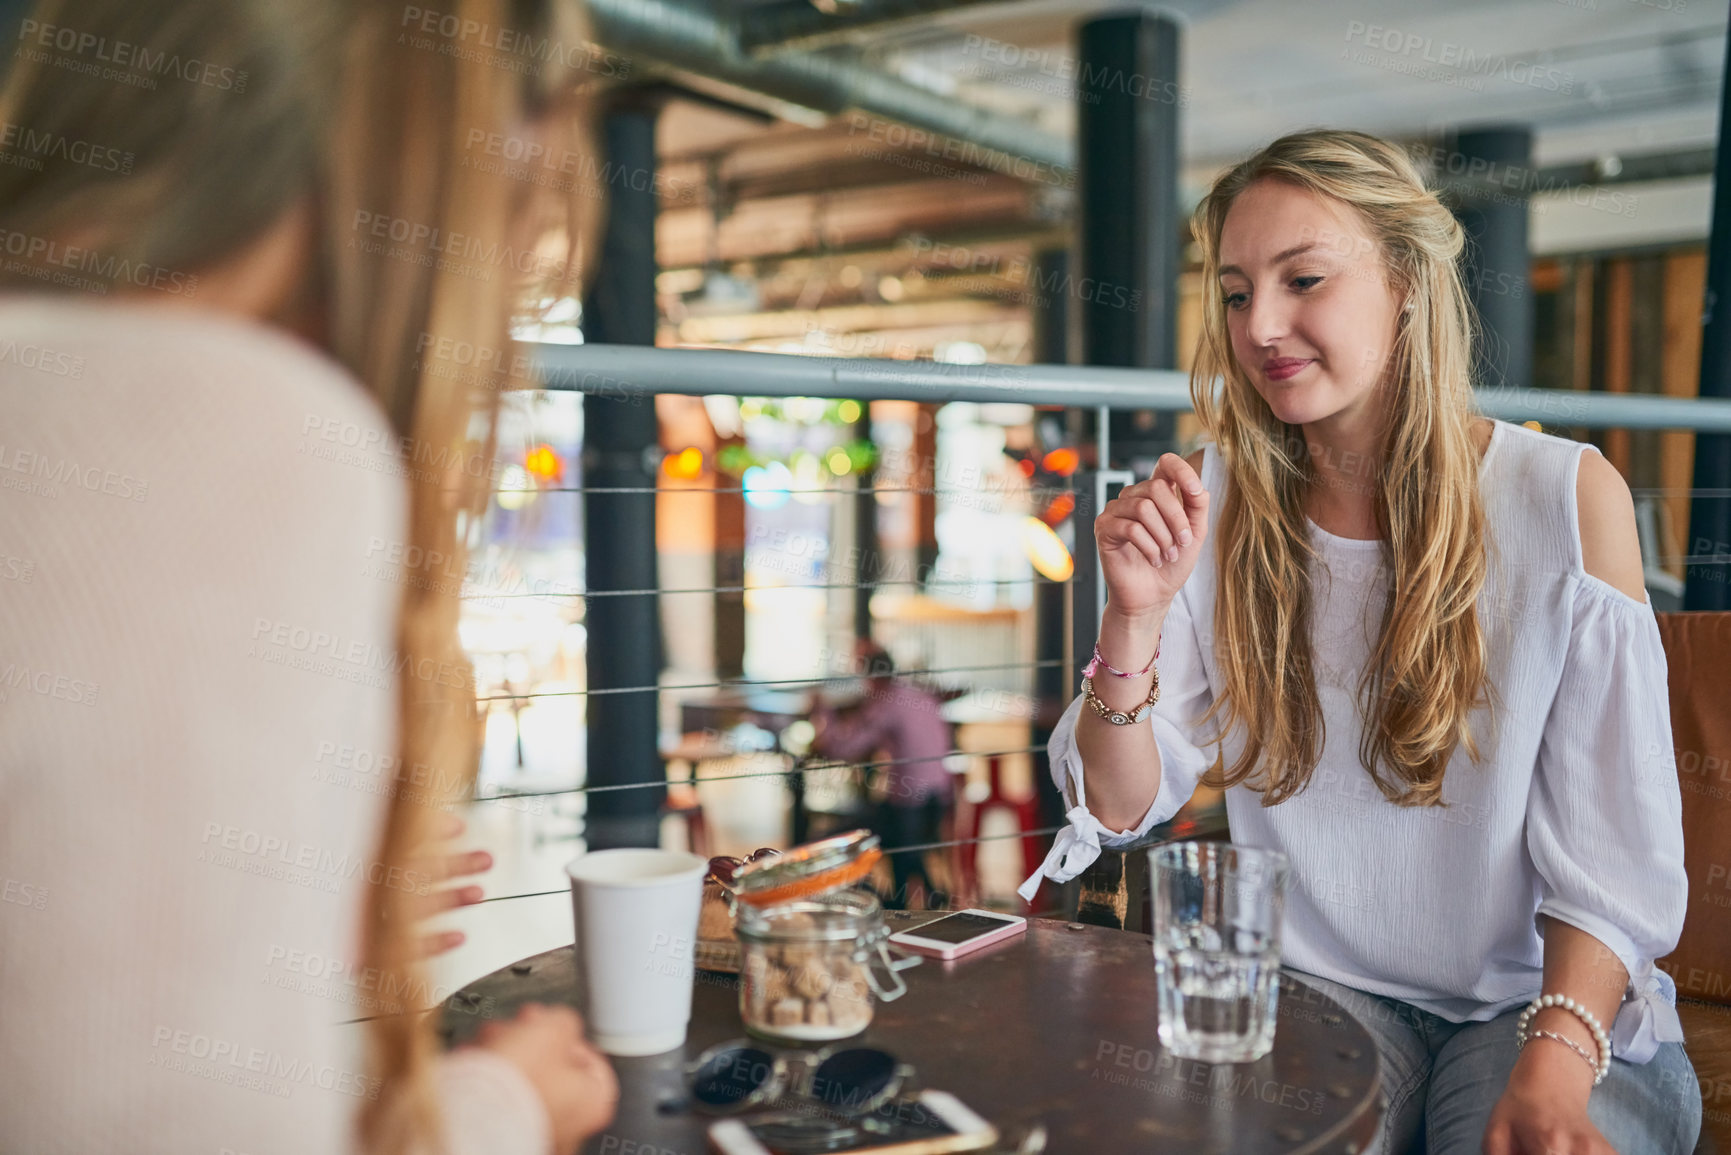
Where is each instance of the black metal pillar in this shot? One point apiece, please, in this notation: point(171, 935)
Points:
point(620, 450)
point(1498, 265)
point(1127, 176)
point(1707, 586)
point(865, 535)
point(1051, 317)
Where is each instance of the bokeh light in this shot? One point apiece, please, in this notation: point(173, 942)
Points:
point(767, 486)
point(1046, 551)
point(686, 465)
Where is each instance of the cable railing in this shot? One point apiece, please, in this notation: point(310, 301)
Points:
point(747, 684)
point(613, 372)
point(811, 769)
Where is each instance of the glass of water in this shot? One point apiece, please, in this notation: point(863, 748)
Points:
point(1217, 911)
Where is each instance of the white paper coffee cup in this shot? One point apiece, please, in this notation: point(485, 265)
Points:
point(635, 914)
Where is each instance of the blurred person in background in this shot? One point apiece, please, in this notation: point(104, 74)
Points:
point(237, 240)
point(902, 723)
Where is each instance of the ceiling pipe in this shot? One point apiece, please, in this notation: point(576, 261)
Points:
point(681, 34)
point(784, 24)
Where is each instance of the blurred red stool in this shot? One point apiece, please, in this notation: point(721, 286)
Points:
point(967, 830)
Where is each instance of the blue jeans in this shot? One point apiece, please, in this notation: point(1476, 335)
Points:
point(1442, 1079)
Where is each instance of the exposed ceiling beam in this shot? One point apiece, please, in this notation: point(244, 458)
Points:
point(689, 37)
point(786, 24)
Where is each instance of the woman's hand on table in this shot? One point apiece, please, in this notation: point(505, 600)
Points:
point(1543, 1110)
point(438, 865)
point(574, 1080)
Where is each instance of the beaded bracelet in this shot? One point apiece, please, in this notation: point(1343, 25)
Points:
point(1120, 717)
point(1097, 663)
point(1600, 1068)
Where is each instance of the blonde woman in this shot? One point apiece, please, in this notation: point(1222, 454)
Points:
point(1413, 645)
point(236, 235)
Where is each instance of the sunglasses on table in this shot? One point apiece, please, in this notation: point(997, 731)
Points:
point(830, 1099)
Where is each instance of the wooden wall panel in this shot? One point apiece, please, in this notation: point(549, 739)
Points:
point(1615, 342)
point(1680, 376)
point(1646, 360)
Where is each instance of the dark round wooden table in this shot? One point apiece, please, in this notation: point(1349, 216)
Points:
point(1055, 1028)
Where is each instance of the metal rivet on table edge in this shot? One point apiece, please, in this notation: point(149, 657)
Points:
point(1076, 926)
point(1349, 1052)
point(521, 968)
point(1340, 1090)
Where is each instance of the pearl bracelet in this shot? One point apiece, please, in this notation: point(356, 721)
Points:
point(1600, 1068)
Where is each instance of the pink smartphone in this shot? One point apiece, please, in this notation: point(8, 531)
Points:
point(960, 933)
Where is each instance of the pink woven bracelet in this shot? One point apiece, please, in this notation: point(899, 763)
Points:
point(1097, 663)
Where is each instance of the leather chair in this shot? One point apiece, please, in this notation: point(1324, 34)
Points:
point(1698, 653)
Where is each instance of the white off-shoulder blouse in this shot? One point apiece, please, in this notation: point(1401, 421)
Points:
point(1574, 811)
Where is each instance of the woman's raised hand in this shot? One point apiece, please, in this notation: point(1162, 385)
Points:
point(435, 864)
point(1150, 536)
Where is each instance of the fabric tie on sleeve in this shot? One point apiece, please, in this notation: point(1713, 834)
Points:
point(1646, 1019)
point(1073, 851)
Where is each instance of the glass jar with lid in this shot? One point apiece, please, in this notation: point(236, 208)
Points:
point(814, 950)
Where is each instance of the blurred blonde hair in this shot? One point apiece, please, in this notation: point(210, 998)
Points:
point(1427, 671)
point(326, 103)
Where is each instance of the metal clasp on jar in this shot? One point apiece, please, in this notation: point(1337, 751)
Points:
point(877, 941)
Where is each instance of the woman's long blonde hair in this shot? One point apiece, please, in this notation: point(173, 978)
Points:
point(1427, 671)
point(336, 104)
